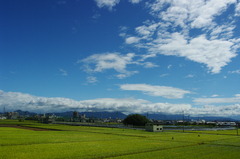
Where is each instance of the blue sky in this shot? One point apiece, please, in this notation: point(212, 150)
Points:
point(133, 56)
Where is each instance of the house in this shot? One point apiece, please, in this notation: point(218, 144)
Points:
point(154, 127)
point(2, 117)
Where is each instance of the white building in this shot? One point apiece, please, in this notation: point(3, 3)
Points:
point(226, 123)
point(154, 127)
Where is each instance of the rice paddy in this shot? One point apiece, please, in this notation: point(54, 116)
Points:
point(81, 142)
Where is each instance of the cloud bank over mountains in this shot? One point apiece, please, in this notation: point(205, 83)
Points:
point(162, 91)
point(16, 100)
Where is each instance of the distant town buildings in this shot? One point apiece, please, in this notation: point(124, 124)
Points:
point(77, 117)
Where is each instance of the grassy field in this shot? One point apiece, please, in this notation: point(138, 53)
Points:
point(79, 142)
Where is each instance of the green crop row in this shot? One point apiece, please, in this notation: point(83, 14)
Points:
point(81, 142)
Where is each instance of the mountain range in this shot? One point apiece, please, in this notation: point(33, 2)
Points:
point(119, 115)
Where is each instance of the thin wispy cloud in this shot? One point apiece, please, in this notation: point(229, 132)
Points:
point(107, 3)
point(92, 79)
point(190, 76)
point(164, 75)
point(135, 1)
point(234, 72)
point(215, 95)
point(235, 99)
point(152, 90)
point(63, 72)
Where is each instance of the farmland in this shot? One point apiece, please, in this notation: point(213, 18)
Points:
point(43, 141)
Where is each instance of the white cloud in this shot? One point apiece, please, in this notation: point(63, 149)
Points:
point(213, 53)
point(171, 32)
point(162, 91)
point(235, 99)
point(235, 72)
point(112, 3)
point(26, 102)
point(107, 3)
point(211, 110)
point(237, 9)
point(131, 40)
point(195, 13)
point(223, 31)
point(63, 72)
point(101, 62)
point(114, 61)
point(91, 79)
point(190, 76)
point(135, 1)
point(126, 74)
point(17, 100)
point(149, 65)
point(169, 66)
point(164, 75)
point(215, 95)
point(207, 12)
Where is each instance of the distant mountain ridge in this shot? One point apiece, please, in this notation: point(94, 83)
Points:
point(119, 115)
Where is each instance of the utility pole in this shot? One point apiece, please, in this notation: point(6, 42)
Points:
point(183, 121)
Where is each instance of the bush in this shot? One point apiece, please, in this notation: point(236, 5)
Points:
point(135, 119)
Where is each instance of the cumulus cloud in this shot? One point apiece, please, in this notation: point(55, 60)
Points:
point(237, 9)
point(162, 91)
point(235, 99)
point(16, 100)
point(107, 3)
point(112, 3)
point(197, 13)
point(189, 29)
point(131, 40)
point(116, 61)
point(212, 110)
point(214, 53)
point(27, 102)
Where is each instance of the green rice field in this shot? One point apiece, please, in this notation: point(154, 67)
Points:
point(35, 141)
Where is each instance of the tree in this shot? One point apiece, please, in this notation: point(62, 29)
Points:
point(135, 119)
